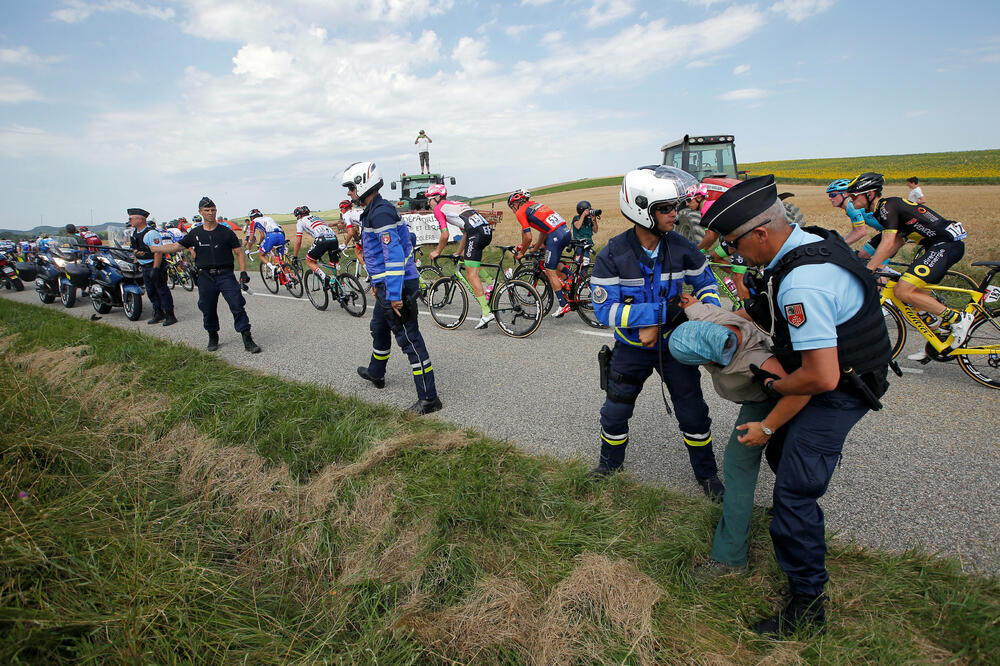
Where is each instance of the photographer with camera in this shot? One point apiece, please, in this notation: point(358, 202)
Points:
point(585, 224)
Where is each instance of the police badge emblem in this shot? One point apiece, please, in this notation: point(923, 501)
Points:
point(795, 313)
point(386, 238)
point(600, 295)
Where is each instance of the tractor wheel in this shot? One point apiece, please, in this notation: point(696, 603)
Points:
point(693, 232)
point(793, 213)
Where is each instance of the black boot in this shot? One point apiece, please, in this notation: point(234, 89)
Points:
point(800, 613)
point(712, 487)
point(169, 319)
point(157, 317)
point(249, 344)
point(379, 382)
point(425, 406)
point(611, 459)
point(213, 341)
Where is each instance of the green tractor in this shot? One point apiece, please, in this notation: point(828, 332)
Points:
point(413, 190)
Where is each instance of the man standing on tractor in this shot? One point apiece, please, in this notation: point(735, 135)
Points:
point(423, 151)
point(552, 233)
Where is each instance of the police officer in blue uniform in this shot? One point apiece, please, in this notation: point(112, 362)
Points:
point(822, 308)
point(214, 247)
point(154, 273)
point(388, 251)
point(637, 280)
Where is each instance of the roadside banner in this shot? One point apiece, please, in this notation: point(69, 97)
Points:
point(425, 226)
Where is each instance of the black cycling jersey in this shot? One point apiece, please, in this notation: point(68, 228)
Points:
point(917, 222)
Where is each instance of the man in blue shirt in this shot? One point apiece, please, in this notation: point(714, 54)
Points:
point(830, 337)
point(154, 273)
point(388, 253)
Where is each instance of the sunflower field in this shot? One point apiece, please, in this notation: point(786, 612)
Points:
point(978, 167)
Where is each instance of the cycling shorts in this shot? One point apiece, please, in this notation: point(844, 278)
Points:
point(272, 240)
point(929, 266)
point(555, 243)
point(476, 241)
point(323, 245)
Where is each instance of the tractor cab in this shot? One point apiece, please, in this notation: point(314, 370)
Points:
point(413, 190)
point(703, 156)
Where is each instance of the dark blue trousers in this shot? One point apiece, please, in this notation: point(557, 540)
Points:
point(157, 290)
point(813, 443)
point(209, 288)
point(630, 367)
point(408, 337)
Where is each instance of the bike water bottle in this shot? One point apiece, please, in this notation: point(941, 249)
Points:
point(730, 285)
point(509, 273)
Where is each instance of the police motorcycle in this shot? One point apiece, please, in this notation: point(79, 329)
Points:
point(8, 272)
point(56, 271)
point(116, 278)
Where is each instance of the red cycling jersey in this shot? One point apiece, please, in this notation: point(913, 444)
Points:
point(539, 216)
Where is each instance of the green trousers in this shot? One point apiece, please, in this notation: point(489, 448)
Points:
point(741, 466)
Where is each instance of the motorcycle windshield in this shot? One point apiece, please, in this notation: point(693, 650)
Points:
point(119, 235)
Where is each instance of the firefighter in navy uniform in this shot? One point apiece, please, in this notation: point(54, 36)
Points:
point(154, 272)
point(829, 335)
point(388, 252)
point(638, 278)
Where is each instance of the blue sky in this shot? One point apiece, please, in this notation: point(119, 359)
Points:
point(106, 104)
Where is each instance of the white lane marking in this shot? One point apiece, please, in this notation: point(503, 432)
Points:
point(913, 371)
point(597, 333)
point(440, 314)
point(287, 298)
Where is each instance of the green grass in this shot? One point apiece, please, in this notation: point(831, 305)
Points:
point(581, 184)
point(116, 555)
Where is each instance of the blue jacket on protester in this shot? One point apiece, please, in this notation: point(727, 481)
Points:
point(388, 250)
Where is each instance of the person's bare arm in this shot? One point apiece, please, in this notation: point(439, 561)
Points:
point(241, 259)
point(855, 234)
point(782, 412)
point(709, 240)
point(169, 248)
point(442, 241)
point(820, 372)
point(890, 244)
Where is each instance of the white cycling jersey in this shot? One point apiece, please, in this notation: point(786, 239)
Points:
point(314, 226)
point(265, 224)
point(460, 215)
point(174, 233)
point(351, 217)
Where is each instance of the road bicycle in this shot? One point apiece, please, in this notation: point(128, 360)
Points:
point(280, 272)
point(725, 284)
point(515, 303)
point(953, 299)
point(356, 266)
point(180, 272)
point(979, 356)
point(345, 289)
point(576, 280)
point(427, 273)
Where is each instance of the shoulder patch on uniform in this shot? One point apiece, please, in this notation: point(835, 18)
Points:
point(795, 313)
point(386, 238)
point(600, 295)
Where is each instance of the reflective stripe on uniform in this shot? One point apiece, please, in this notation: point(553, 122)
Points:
point(625, 313)
point(700, 439)
point(380, 355)
point(613, 440)
point(605, 281)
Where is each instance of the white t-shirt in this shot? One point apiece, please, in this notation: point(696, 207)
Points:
point(314, 226)
point(915, 195)
point(422, 144)
point(351, 218)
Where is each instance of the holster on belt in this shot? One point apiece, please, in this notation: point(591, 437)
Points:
point(858, 386)
point(604, 364)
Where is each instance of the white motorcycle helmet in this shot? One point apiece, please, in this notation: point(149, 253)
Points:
point(364, 176)
point(648, 186)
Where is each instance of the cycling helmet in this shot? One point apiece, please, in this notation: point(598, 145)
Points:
point(255, 213)
point(300, 211)
point(151, 221)
point(839, 185)
point(437, 190)
point(693, 191)
point(82, 229)
point(346, 205)
point(71, 229)
point(364, 177)
point(582, 206)
point(866, 182)
point(645, 187)
point(196, 218)
point(518, 195)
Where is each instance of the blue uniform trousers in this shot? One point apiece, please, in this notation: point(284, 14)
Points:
point(630, 367)
point(210, 285)
point(408, 338)
point(156, 289)
point(813, 443)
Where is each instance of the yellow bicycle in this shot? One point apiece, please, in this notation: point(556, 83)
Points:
point(979, 356)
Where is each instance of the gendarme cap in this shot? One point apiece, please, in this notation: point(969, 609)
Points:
point(206, 203)
point(138, 211)
point(740, 203)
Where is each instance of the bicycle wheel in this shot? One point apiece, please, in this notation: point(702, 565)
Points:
point(895, 326)
point(293, 281)
point(428, 274)
point(357, 269)
point(448, 302)
point(352, 295)
point(984, 368)
point(186, 279)
point(585, 306)
point(269, 276)
point(518, 308)
point(539, 281)
point(956, 300)
point(316, 291)
point(171, 278)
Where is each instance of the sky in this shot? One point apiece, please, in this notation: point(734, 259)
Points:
point(109, 104)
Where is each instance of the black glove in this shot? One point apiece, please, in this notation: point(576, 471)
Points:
point(159, 272)
point(765, 379)
point(244, 278)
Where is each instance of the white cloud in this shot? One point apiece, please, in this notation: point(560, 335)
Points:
point(25, 57)
point(74, 11)
point(603, 12)
point(741, 69)
point(22, 141)
point(744, 95)
point(516, 31)
point(469, 54)
point(13, 91)
point(551, 38)
point(800, 10)
point(259, 62)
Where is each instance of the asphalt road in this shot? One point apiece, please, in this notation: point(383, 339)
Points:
point(924, 472)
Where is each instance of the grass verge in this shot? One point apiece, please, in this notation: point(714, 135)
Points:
point(162, 505)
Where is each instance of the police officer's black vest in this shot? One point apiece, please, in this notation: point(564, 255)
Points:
point(862, 341)
point(139, 243)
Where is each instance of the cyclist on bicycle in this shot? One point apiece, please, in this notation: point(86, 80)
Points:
point(324, 241)
point(552, 233)
point(350, 220)
point(941, 241)
point(272, 236)
point(476, 235)
point(839, 198)
point(171, 233)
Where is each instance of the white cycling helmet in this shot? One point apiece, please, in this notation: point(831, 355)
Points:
point(648, 186)
point(364, 176)
point(436, 190)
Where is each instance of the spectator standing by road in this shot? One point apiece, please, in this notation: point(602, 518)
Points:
point(916, 194)
point(828, 333)
point(388, 254)
point(154, 273)
point(422, 142)
point(584, 225)
point(214, 247)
